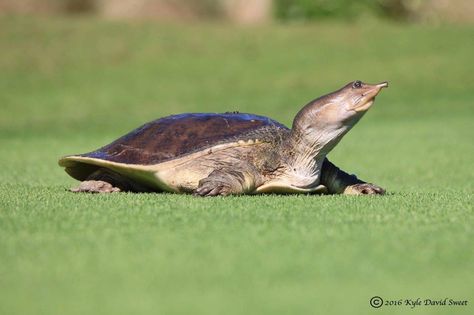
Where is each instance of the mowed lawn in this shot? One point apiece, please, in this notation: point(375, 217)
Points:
point(71, 85)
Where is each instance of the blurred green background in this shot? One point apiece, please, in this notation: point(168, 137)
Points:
point(252, 11)
point(75, 75)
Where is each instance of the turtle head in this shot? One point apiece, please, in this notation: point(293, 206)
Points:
point(342, 107)
point(339, 109)
point(327, 118)
point(358, 97)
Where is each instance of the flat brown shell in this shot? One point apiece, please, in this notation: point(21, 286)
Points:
point(174, 136)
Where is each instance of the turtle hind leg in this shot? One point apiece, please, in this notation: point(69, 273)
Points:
point(95, 186)
point(104, 181)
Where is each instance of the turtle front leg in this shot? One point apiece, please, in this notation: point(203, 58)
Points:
point(339, 182)
point(223, 182)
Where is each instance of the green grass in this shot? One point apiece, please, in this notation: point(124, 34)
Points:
point(70, 86)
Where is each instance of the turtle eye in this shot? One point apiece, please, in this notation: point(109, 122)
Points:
point(357, 84)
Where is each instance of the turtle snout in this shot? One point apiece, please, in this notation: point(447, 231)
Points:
point(382, 85)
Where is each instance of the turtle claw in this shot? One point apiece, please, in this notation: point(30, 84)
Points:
point(210, 189)
point(201, 191)
point(95, 186)
point(364, 189)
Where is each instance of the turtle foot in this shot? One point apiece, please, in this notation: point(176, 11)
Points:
point(95, 186)
point(210, 189)
point(364, 189)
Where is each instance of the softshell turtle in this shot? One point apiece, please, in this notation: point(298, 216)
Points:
point(232, 153)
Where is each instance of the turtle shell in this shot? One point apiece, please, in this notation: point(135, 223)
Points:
point(175, 136)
